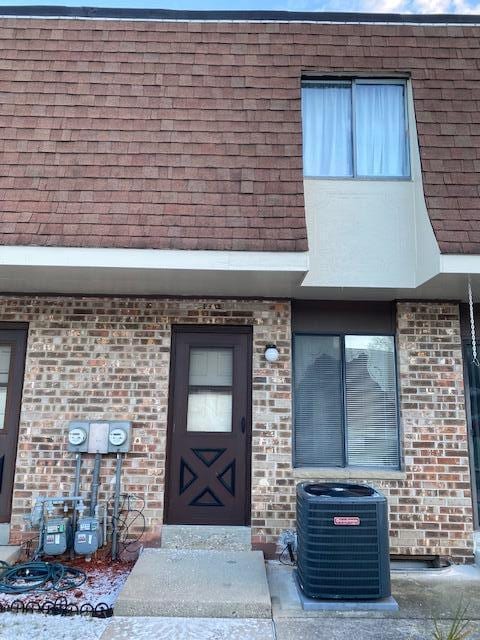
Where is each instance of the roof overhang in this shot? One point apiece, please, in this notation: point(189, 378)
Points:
point(64, 270)
point(150, 272)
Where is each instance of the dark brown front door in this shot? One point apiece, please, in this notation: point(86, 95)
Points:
point(208, 462)
point(12, 360)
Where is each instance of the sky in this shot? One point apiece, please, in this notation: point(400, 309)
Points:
point(374, 6)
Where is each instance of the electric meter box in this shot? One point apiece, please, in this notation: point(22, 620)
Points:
point(88, 536)
point(99, 436)
point(78, 436)
point(56, 536)
point(119, 437)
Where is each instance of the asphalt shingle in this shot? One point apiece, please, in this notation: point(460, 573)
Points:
point(179, 135)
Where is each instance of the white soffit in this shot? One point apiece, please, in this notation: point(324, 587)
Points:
point(150, 272)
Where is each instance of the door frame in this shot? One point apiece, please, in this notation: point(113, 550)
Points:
point(471, 448)
point(14, 397)
point(206, 329)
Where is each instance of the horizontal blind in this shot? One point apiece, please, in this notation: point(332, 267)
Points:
point(318, 401)
point(371, 401)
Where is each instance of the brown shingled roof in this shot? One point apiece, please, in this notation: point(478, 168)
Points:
point(185, 135)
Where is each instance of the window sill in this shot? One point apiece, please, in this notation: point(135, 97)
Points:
point(355, 473)
point(362, 178)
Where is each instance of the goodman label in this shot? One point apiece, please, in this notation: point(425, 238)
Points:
point(344, 521)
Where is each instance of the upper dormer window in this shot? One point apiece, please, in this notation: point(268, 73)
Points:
point(355, 129)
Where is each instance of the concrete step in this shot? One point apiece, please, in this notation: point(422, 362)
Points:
point(9, 553)
point(4, 533)
point(179, 536)
point(196, 583)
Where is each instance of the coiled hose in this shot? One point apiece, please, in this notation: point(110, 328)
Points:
point(39, 576)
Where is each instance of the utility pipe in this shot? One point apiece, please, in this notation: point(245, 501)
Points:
point(76, 491)
point(95, 484)
point(116, 506)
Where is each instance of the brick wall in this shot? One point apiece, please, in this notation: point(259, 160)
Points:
point(430, 502)
point(432, 510)
point(109, 358)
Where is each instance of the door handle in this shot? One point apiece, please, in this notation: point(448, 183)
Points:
point(242, 424)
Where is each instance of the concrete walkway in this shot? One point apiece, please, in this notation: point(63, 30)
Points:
point(189, 629)
point(422, 597)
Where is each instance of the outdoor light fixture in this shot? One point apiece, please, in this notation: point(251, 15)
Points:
point(271, 353)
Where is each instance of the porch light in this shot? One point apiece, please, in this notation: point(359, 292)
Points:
point(271, 353)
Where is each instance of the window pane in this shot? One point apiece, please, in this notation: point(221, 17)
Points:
point(5, 351)
point(327, 129)
point(318, 401)
point(210, 390)
point(209, 410)
point(381, 140)
point(211, 367)
point(3, 399)
point(372, 423)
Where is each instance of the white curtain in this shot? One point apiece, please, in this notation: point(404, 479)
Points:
point(380, 130)
point(327, 130)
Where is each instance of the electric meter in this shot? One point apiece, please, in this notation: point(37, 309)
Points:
point(117, 437)
point(77, 436)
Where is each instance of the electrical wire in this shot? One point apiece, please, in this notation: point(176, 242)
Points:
point(287, 551)
point(130, 512)
point(475, 360)
point(39, 576)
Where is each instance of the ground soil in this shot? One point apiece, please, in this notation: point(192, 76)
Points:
point(104, 581)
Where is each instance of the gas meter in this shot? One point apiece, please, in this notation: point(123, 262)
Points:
point(56, 536)
point(88, 536)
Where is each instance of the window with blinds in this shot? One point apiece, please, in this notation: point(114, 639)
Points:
point(345, 401)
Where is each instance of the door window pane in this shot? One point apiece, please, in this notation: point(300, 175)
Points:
point(371, 401)
point(5, 353)
point(210, 390)
point(318, 401)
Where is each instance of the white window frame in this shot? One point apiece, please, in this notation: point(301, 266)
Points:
point(315, 81)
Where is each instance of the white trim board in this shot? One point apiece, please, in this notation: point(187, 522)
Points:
point(154, 259)
point(456, 263)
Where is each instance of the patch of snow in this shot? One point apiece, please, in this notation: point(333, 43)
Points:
point(20, 626)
